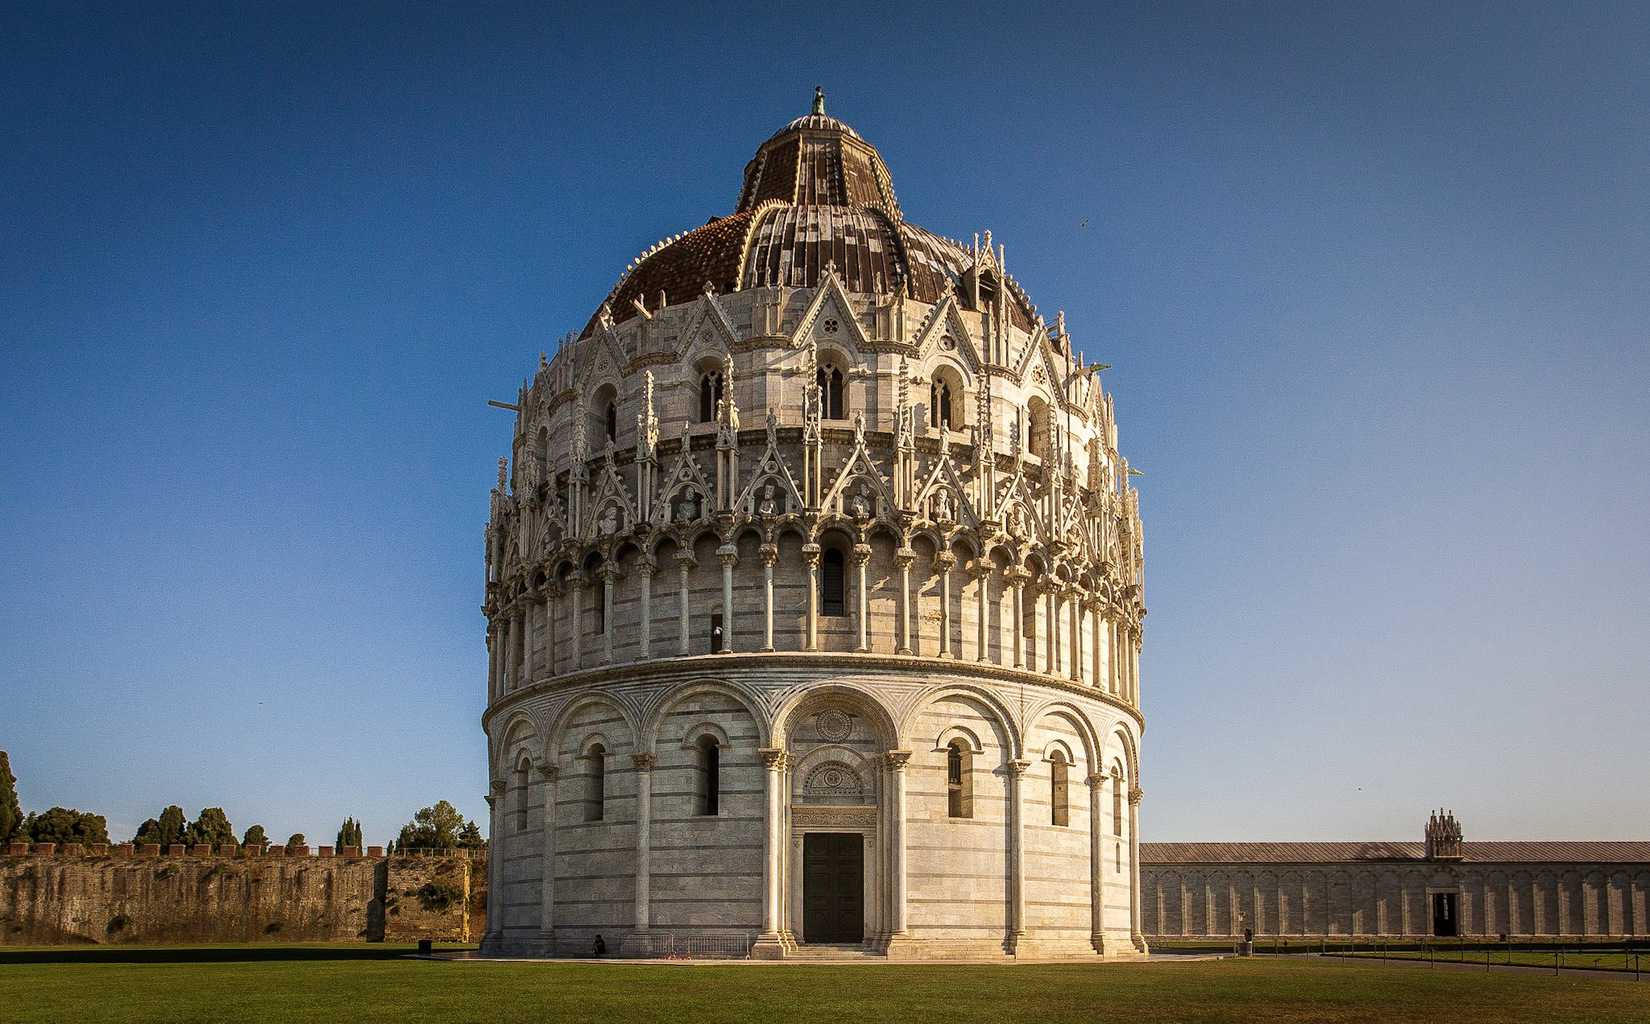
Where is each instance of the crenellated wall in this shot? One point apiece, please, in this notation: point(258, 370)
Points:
point(144, 894)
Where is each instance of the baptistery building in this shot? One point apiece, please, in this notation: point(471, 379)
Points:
point(814, 601)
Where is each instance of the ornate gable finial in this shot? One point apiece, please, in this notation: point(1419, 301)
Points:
point(503, 471)
point(819, 100)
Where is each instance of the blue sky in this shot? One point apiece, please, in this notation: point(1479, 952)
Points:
point(1373, 279)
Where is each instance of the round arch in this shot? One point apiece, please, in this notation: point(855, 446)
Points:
point(650, 735)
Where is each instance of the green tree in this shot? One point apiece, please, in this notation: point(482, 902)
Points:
point(255, 836)
point(11, 812)
point(169, 829)
point(349, 834)
point(67, 825)
point(469, 837)
point(296, 840)
point(211, 827)
point(432, 828)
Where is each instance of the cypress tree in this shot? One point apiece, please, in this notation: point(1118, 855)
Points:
point(11, 812)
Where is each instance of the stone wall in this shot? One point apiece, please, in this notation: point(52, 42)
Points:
point(125, 894)
point(1517, 899)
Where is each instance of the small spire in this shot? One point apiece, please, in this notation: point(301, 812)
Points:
point(819, 99)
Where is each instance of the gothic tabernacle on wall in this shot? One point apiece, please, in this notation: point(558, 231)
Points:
point(814, 600)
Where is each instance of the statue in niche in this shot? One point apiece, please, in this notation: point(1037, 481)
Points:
point(859, 506)
point(610, 521)
point(768, 505)
point(1016, 523)
point(942, 506)
point(687, 510)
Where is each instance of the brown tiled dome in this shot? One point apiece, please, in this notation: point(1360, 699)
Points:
point(815, 194)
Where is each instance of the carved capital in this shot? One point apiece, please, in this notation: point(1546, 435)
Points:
point(810, 555)
point(644, 762)
point(728, 556)
point(770, 554)
point(685, 561)
point(945, 560)
point(897, 759)
point(1135, 796)
point(496, 787)
point(774, 759)
point(1096, 780)
point(1018, 767)
point(862, 553)
point(547, 769)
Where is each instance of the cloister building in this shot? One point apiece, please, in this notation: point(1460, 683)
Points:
point(814, 601)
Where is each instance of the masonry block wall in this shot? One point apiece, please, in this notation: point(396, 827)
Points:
point(1536, 900)
point(103, 895)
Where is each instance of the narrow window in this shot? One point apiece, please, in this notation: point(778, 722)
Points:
point(716, 633)
point(710, 776)
point(959, 780)
point(1060, 808)
point(939, 404)
point(1116, 804)
point(710, 396)
point(830, 393)
point(521, 797)
point(601, 606)
point(595, 795)
point(831, 579)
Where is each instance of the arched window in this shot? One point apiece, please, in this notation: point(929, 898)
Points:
point(831, 403)
point(959, 780)
point(710, 776)
point(939, 404)
point(595, 782)
point(1116, 803)
point(1037, 427)
point(521, 795)
point(600, 602)
point(832, 583)
point(710, 395)
point(1060, 807)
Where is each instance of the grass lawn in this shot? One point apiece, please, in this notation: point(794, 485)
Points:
point(366, 983)
point(1602, 960)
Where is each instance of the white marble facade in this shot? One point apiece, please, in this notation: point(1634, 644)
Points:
point(838, 540)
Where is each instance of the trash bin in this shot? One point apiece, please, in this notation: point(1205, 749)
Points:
point(425, 946)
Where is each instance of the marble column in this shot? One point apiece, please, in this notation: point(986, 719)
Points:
point(903, 559)
point(1051, 615)
point(644, 577)
point(728, 555)
point(1016, 852)
point(943, 563)
point(547, 870)
point(982, 580)
point(610, 583)
point(770, 944)
point(1097, 862)
point(1074, 601)
point(643, 764)
point(810, 554)
point(1097, 632)
point(495, 861)
point(862, 554)
point(897, 760)
point(770, 555)
point(493, 646)
point(685, 563)
point(552, 611)
point(575, 589)
point(1016, 594)
point(527, 631)
point(1136, 935)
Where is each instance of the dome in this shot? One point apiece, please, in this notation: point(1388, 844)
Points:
point(815, 194)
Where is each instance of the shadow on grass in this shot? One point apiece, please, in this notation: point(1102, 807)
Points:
point(204, 954)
